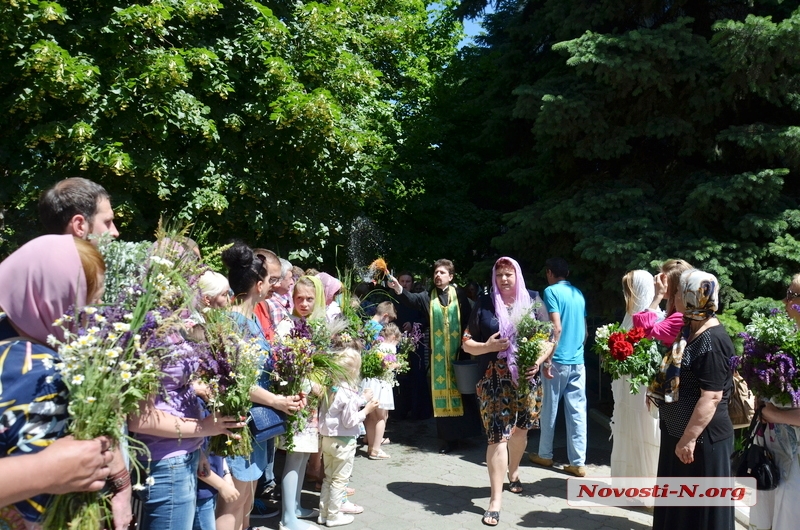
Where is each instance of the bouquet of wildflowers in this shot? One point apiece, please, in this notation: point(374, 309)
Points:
point(108, 371)
point(382, 362)
point(408, 344)
point(627, 354)
point(231, 369)
point(292, 365)
point(532, 341)
point(769, 363)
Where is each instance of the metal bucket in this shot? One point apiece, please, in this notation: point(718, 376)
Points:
point(467, 375)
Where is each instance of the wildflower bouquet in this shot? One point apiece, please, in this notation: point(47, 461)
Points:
point(532, 341)
point(627, 354)
point(292, 366)
point(231, 369)
point(108, 372)
point(769, 363)
point(409, 341)
point(383, 362)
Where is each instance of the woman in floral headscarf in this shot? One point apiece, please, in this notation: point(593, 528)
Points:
point(507, 415)
point(696, 431)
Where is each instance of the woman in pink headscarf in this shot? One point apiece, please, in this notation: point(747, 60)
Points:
point(507, 414)
point(40, 282)
point(332, 287)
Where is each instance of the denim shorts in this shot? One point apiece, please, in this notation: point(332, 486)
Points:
point(246, 469)
point(170, 501)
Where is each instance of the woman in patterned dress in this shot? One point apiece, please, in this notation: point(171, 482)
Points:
point(507, 414)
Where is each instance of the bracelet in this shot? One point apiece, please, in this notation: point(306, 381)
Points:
point(178, 430)
point(226, 472)
point(119, 481)
point(547, 364)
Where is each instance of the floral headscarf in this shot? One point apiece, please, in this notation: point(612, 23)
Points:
point(700, 294)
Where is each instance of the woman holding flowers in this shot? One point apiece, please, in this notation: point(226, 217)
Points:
point(294, 350)
point(251, 276)
point(506, 411)
point(696, 431)
point(33, 397)
point(635, 432)
point(171, 422)
point(778, 509)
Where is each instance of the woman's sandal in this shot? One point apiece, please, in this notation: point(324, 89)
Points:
point(487, 516)
point(514, 486)
point(380, 455)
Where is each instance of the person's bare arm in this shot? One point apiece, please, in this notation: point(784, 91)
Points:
point(701, 417)
point(154, 422)
point(494, 344)
point(773, 414)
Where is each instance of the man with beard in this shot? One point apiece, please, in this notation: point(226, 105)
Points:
point(448, 311)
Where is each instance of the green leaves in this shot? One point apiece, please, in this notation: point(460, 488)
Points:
point(235, 114)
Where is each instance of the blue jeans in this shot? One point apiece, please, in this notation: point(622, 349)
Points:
point(169, 504)
point(204, 518)
point(570, 383)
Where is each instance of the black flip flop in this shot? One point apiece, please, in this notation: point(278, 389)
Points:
point(515, 486)
point(491, 515)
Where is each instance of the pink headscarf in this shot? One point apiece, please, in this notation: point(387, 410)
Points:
point(508, 319)
point(331, 286)
point(39, 282)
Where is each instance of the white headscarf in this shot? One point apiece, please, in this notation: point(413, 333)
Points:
point(642, 291)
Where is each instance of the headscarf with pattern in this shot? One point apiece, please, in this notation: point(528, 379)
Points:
point(700, 295)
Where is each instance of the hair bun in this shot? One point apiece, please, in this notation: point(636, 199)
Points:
point(239, 256)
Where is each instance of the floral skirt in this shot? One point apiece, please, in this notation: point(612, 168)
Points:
point(503, 407)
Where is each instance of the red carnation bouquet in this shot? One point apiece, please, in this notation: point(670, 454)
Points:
point(627, 353)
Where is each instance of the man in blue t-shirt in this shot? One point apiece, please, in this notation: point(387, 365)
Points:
point(564, 376)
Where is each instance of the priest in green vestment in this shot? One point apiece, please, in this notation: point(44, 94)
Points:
point(448, 310)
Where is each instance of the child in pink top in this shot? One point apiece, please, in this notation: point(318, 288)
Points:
point(339, 419)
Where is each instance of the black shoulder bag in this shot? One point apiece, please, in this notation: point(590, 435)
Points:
point(755, 460)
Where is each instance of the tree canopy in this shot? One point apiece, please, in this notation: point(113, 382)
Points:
point(274, 122)
point(614, 133)
point(618, 134)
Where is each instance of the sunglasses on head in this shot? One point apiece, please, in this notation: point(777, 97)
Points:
point(790, 295)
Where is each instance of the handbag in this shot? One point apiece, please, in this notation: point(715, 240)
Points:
point(741, 406)
point(266, 422)
point(756, 461)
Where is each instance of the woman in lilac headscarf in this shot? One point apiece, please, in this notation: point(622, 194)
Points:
point(40, 281)
point(507, 415)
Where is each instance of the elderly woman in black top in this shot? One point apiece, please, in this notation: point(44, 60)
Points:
point(507, 414)
point(696, 431)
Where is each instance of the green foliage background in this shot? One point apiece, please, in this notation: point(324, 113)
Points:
point(274, 122)
point(618, 134)
point(614, 133)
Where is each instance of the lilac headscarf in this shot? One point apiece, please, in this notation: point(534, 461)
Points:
point(331, 286)
point(40, 281)
point(508, 319)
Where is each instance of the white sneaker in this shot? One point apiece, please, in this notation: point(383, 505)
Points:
point(321, 520)
point(341, 519)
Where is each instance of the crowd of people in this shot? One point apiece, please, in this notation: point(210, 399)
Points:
point(267, 297)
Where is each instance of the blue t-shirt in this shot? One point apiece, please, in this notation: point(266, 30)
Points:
point(33, 405)
point(568, 302)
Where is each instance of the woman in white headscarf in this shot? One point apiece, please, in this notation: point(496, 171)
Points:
point(634, 430)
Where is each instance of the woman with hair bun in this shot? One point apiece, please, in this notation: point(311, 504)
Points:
point(249, 279)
